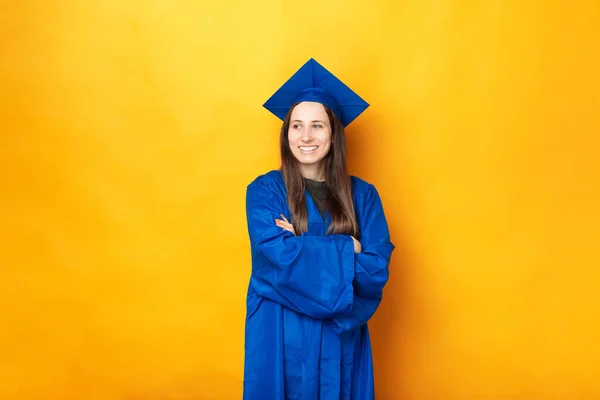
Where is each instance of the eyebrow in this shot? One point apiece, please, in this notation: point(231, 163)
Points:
point(314, 120)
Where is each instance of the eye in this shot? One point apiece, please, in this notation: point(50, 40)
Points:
point(296, 126)
point(318, 126)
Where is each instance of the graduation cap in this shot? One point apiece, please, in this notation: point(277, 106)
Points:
point(312, 82)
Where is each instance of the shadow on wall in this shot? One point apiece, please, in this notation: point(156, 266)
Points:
point(399, 329)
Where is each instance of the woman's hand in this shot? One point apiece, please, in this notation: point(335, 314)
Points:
point(357, 246)
point(285, 224)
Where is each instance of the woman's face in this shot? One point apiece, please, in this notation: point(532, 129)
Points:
point(309, 133)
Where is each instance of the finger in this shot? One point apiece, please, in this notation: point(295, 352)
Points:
point(284, 218)
point(283, 225)
point(286, 228)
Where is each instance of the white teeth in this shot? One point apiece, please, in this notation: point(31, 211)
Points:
point(308, 148)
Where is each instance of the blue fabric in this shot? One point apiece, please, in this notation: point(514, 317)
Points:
point(312, 82)
point(319, 95)
point(310, 297)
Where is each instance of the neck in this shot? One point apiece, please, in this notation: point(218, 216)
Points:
point(315, 172)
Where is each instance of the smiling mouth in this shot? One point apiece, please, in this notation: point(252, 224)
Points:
point(308, 149)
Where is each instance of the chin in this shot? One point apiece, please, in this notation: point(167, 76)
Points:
point(308, 159)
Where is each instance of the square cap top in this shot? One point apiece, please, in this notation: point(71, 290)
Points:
point(312, 82)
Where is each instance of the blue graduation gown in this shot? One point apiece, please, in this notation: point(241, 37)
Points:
point(310, 297)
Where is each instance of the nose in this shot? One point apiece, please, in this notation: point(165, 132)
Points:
point(306, 135)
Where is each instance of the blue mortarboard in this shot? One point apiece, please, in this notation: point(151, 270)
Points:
point(312, 82)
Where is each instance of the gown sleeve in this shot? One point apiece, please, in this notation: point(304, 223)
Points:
point(312, 275)
point(371, 265)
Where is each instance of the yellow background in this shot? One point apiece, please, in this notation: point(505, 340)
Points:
point(130, 129)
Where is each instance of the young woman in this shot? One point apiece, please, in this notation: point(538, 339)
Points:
point(320, 253)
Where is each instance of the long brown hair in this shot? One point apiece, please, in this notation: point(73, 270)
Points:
point(338, 201)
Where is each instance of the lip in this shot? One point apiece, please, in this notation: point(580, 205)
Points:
point(307, 149)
